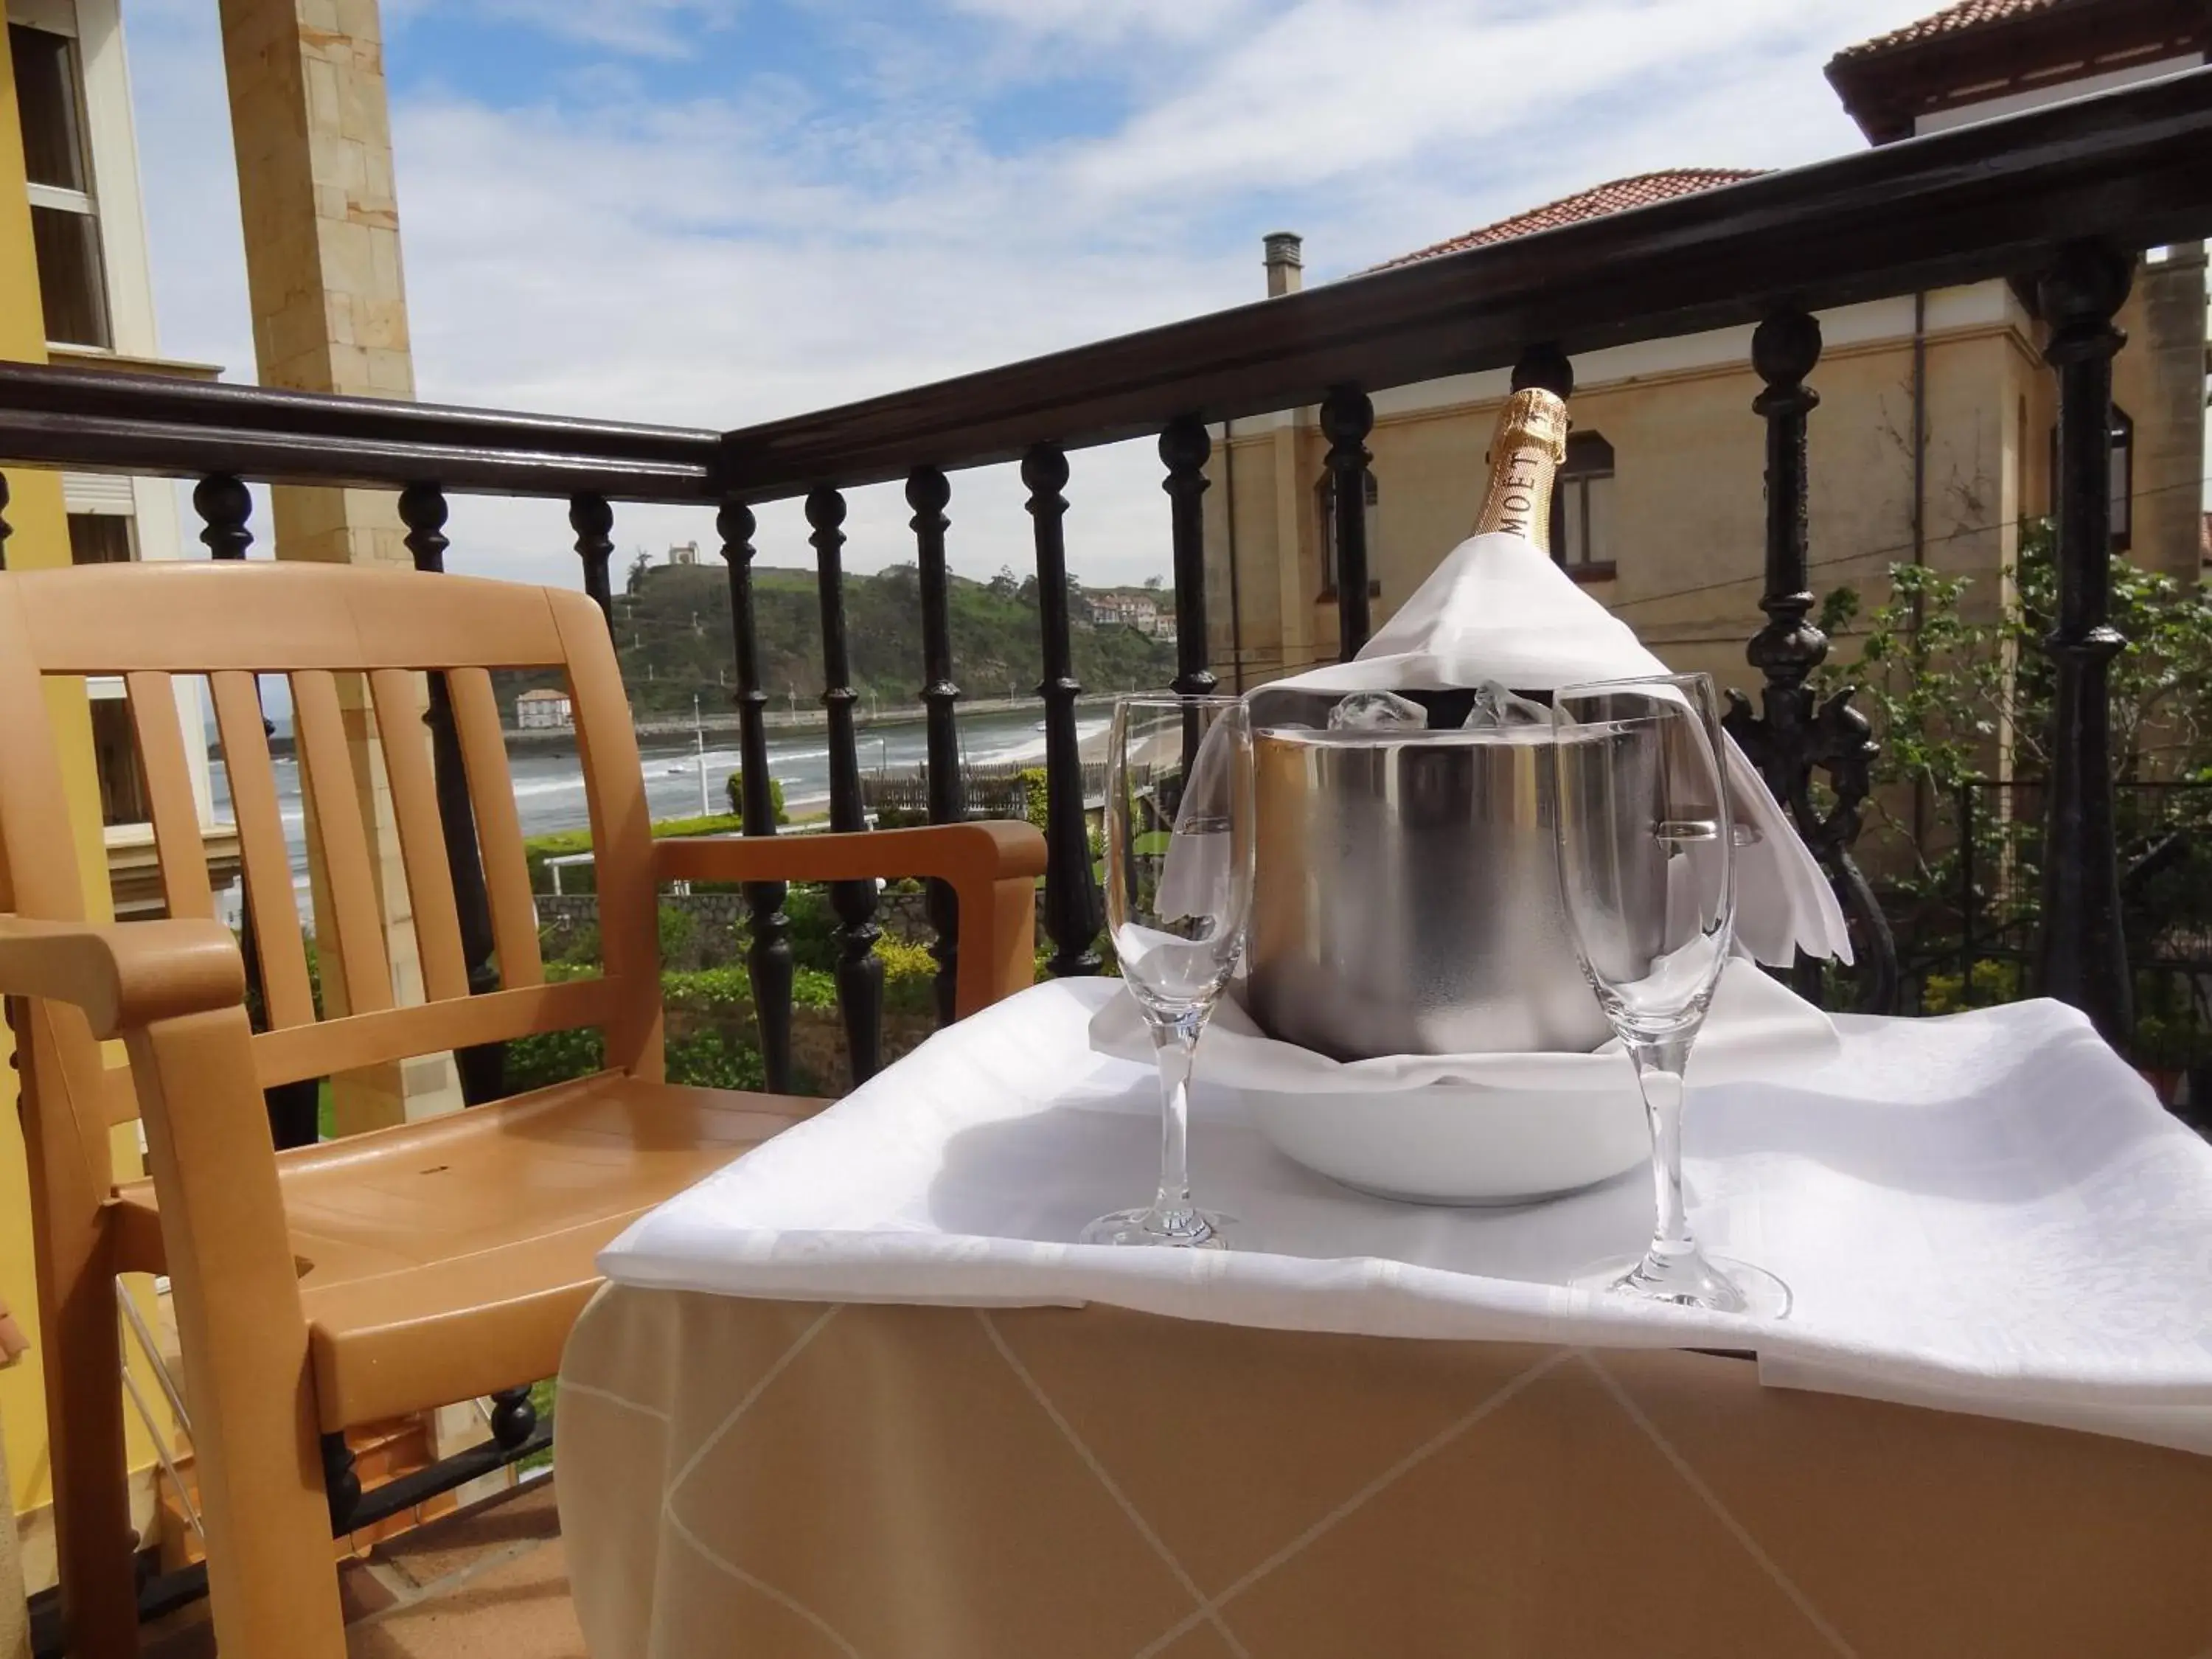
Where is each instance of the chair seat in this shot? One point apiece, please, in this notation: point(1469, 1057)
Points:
point(445, 1259)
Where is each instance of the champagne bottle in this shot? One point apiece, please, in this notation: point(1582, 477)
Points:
point(1524, 462)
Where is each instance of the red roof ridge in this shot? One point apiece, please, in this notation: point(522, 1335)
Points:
point(1965, 16)
point(1615, 196)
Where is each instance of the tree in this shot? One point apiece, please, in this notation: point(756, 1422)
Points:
point(1959, 693)
point(1153, 582)
point(1946, 690)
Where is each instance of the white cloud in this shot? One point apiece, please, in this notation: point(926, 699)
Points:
point(644, 28)
point(1114, 22)
point(784, 246)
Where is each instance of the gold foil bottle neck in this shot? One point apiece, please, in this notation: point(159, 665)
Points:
point(1524, 461)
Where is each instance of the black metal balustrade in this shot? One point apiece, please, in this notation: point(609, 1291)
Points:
point(2058, 199)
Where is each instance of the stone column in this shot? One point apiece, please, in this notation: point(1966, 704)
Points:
point(313, 132)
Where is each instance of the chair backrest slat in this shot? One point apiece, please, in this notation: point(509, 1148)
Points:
point(397, 699)
point(176, 815)
point(622, 837)
point(270, 901)
point(498, 829)
point(333, 804)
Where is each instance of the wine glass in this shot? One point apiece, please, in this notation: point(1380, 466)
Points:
point(1178, 848)
point(1646, 861)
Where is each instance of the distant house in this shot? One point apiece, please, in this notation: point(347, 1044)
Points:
point(544, 711)
point(683, 553)
point(1113, 609)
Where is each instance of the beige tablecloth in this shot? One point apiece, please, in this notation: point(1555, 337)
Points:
point(785, 1481)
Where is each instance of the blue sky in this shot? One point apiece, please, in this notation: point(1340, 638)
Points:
point(713, 212)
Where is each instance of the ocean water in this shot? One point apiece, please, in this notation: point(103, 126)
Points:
point(549, 788)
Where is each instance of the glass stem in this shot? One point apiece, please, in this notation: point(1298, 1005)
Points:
point(1659, 1067)
point(1175, 1044)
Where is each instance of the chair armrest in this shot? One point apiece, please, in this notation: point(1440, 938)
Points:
point(124, 976)
point(991, 866)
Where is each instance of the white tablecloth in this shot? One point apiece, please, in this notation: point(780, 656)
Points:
point(1989, 1213)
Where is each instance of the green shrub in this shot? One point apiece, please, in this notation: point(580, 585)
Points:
point(579, 947)
point(550, 1057)
point(1993, 983)
point(716, 1057)
point(736, 788)
point(679, 934)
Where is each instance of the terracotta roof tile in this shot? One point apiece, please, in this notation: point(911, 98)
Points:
point(1951, 20)
point(1619, 196)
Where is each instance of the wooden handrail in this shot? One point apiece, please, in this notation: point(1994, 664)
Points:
point(95, 420)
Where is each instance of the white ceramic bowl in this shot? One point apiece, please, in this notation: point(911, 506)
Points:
point(1452, 1143)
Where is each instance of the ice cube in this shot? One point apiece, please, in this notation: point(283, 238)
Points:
point(1376, 711)
point(1497, 708)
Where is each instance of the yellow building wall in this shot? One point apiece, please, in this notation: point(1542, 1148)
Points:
point(41, 539)
point(1689, 490)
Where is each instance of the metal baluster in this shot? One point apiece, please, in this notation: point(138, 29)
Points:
point(860, 969)
point(224, 505)
point(513, 1417)
point(1545, 366)
point(1794, 737)
point(768, 959)
point(1346, 417)
point(928, 492)
point(1184, 448)
point(482, 1069)
point(593, 521)
point(2082, 955)
point(341, 1481)
point(6, 529)
point(1072, 908)
point(1968, 903)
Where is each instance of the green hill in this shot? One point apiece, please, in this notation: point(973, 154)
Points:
point(672, 631)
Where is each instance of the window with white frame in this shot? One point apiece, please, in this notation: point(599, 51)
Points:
point(1582, 508)
point(65, 206)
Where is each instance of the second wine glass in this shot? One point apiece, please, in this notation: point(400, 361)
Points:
point(1647, 880)
point(1178, 880)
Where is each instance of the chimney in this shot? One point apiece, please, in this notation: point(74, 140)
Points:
point(1285, 262)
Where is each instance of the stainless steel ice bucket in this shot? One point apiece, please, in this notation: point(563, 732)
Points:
point(1406, 899)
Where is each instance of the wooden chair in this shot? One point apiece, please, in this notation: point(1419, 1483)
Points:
point(349, 1282)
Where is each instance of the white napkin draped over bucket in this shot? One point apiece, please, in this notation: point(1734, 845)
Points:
point(1499, 609)
point(1985, 1213)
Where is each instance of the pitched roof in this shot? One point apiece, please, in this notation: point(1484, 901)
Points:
point(1951, 20)
point(1618, 197)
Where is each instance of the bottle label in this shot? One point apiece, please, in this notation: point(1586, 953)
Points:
point(1524, 460)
